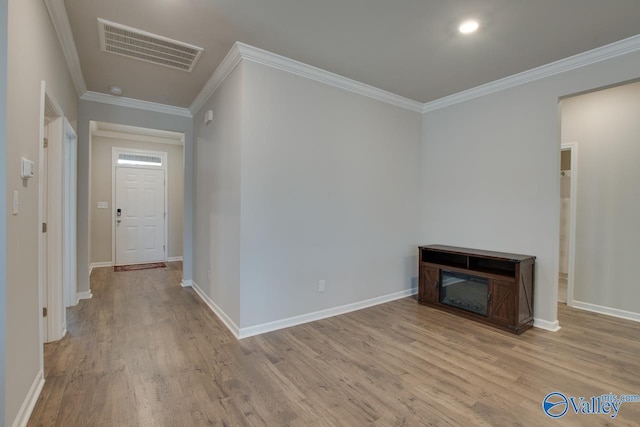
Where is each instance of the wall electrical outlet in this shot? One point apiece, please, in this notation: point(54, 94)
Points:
point(321, 286)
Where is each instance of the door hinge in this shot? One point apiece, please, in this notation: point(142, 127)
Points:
point(164, 248)
point(45, 143)
point(44, 227)
point(44, 311)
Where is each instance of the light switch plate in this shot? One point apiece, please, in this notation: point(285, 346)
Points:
point(103, 205)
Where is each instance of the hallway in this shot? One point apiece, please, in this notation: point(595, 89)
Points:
point(146, 352)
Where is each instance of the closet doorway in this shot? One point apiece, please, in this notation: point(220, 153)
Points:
point(568, 180)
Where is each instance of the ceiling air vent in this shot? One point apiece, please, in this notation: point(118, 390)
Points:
point(137, 44)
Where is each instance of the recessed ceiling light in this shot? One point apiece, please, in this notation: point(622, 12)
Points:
point(115, 90)
point(468, 27)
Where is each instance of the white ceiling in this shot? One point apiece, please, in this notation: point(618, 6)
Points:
point(407, 47)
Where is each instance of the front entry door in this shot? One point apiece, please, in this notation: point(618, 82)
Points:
point(140, 215)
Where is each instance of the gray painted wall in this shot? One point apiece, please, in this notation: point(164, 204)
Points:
point(606, 127)
point(100, 112)
point(490, 170)
point(35, 55)
point(298, 182)
point(329, 185)
point(218, 196)
point(3, 196)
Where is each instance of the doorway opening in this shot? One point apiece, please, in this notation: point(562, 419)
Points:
point(603, 122)
point(568, 181)
point(136, 195)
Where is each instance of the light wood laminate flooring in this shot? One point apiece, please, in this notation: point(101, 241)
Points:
point(146, 352)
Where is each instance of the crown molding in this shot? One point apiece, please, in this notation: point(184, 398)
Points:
point(228, 64)
point(622, 47)
point(241, 51)
point(60, 20)
point(135, 103)
point(260, 56)
point(135, 137)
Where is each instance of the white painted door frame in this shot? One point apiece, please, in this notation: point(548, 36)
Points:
point(573, 148)
point(50, 259)
point(4, 10)
point(70, 213)
point(115, 152)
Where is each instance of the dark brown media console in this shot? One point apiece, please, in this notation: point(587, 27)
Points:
point(490, 287)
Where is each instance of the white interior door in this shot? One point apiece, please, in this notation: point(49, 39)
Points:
point(140, 215)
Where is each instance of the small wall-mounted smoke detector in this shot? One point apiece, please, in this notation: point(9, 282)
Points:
point(137, 44)
point(115, 90)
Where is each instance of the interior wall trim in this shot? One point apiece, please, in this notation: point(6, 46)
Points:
point(546, 325)
point(101, 264)
point(609, 311)
point(60, 20)
point(323, 314)
point(224, 317)
point(136, 137)
point(22, 419)
point(242, 51)
point(228, 64)
point(260, 56)
point(84, 295)
point(122, 101)
point(619, 48)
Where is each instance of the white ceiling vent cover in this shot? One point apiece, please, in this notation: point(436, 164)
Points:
point(137, 44)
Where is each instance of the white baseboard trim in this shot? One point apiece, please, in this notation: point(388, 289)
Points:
point(250, 331)
point(322, 314)
point(186, 283)
point(98, 265)
point(174, 258)
point(84, 295)
point(546, 325)
point(609, 311)
point(30, 401)
point(216, 310)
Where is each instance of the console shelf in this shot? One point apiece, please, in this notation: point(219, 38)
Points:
point(491, 287)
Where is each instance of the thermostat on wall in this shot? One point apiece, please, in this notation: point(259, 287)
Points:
point(27, 169)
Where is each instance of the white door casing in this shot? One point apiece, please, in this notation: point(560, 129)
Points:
point(43, 243)
point(573, 146)
point(70, 207)
point(140, 220)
